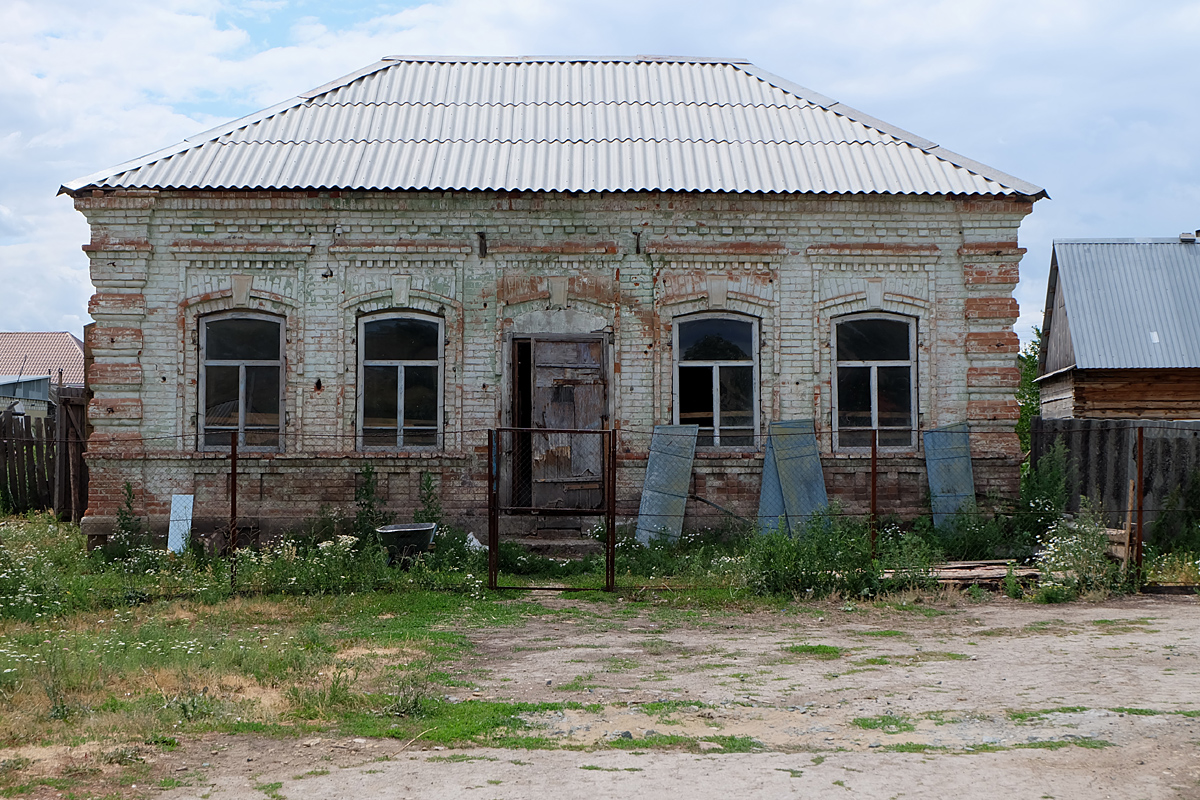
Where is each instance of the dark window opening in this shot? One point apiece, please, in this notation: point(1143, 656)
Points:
point(875, 383)
point(715, 380)
point(401, 382)
point(242, 379)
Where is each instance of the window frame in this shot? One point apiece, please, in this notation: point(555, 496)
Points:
point(914, 374)
point(202, 382)
point(756, 400)
point(399, 364)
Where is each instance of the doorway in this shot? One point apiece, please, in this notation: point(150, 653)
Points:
point(559, 383)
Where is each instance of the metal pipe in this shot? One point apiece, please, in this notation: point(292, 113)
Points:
point(874, 485)
point(1141, 466)
point(493, 513)
point(610, 517)
point(233, 477)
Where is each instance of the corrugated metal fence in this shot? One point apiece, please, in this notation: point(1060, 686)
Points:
point(1103, 462)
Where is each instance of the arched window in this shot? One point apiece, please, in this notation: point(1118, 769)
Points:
point(400, 382)
point(716, 379)
point(241, 381)
point(875, 385)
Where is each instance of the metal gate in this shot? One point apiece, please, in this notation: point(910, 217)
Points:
point(552, 472)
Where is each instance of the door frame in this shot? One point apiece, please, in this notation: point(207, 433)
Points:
point(508, 383)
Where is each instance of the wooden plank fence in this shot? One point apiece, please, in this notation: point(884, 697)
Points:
point(42, 466)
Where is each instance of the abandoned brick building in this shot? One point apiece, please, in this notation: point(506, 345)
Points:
point(376, 271)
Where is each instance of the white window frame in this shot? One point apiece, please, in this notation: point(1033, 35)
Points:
point(911, 363)
point(756, 401)
point(205, 363)
point(399, 364)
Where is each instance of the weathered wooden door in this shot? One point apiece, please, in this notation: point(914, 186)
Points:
point(569, 391)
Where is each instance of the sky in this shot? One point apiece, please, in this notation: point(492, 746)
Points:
point(1094, 100)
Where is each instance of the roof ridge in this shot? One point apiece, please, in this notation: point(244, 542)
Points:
point(638, 59)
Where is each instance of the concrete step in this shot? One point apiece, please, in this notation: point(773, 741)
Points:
point(561, 546)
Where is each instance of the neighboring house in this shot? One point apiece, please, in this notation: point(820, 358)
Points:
point(1120, 336)
point(381, 270)
point(29, 368)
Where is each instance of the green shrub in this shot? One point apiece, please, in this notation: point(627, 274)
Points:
point(1177, 526)
point(370, 514)
point(430, 509)
point(909, 556)
point(1074, 557)
point(1043, 496)
point(831, 554)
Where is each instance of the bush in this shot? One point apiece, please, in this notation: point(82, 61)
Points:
point(1177, 526)
point(1043, 497)
point(697, 553)
point(910, 557)
point(831, 554)
point(1074, 558)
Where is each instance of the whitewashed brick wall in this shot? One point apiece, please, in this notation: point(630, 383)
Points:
point(160, 260)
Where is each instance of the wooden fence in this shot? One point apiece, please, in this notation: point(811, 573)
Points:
point(41, 464)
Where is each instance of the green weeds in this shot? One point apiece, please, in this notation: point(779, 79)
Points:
point(884, 723)
point(824, 652)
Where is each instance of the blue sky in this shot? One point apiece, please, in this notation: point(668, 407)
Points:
point(1095, 100)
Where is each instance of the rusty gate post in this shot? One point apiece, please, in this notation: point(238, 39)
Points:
point(874, 486)
point(1141, 464)
point(493, 511)
point(610, 516)
point(231, 545)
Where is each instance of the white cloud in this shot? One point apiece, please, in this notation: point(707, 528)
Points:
point(1089, 98)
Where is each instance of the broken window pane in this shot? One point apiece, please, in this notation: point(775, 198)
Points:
point(720, 395)
point(401, 339)
point(696, 396)
point(716, 340)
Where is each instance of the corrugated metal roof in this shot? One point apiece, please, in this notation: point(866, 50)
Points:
point(41, 354)
point(530, 124)
point(1131, 303)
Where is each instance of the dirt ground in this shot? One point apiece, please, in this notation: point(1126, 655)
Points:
point(1000, 698)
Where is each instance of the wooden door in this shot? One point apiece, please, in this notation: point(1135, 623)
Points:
point(569, 391)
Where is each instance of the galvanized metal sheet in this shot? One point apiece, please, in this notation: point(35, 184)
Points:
point(1131, 303)
point(668, 474)
point(180, 526)
point(561, 125)
point(948, 465)
point(793, 484)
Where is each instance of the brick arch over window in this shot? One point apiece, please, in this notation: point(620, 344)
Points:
point(874, 381)
point(401, 380)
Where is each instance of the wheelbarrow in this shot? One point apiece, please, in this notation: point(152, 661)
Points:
point(407, 540)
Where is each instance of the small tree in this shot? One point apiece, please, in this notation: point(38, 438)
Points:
point(129, 524)
point(370, 514)
point(430, 509)
point(1029, 397)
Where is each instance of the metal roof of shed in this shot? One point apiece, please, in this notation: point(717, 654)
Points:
point(561, 124)
point(1131, 303)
